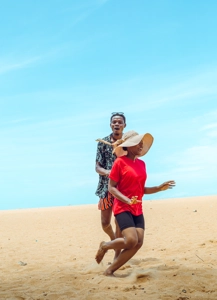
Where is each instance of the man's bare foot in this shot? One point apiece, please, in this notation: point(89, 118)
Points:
point(100, 253)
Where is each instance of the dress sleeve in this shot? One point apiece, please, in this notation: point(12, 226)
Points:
point(115, 171)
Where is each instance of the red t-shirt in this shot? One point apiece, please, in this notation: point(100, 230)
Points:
point(130, 177)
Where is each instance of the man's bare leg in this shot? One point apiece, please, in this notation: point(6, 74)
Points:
point(106, 222)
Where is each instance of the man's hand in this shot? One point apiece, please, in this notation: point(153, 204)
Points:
point(107, 172)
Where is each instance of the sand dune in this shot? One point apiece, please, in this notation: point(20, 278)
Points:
point(48, 253)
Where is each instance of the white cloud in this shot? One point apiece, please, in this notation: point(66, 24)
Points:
point(83, 10)
point(203, 157)
point(192, 167)
point(20, 64)
point(213, 133)
point(209, 126)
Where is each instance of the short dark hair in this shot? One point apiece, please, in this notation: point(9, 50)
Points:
point(118, 114)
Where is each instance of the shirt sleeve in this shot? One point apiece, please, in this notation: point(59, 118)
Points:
point(115, 171)
point(99, 153)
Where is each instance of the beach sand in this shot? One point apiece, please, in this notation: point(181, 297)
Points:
point(48, 253)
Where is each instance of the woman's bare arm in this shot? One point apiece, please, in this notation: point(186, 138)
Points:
point(163, 187)
point(112, 187)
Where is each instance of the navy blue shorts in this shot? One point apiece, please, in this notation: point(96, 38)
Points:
point(126, 220)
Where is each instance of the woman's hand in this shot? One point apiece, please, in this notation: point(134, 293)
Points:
point(167, 185)
point(134, 200)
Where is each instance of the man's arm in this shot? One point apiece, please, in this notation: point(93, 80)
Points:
point(100, 157)
point(100, 170)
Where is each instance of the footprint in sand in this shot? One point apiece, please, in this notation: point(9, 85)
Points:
point(139, 261)
point(167, 268)
point(125, 267)
point(93, 268)
point(208, 242)
point(213, 241)
point(138, 274)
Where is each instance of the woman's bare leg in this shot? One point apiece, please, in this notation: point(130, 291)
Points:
point(129, 240)
point(126, 254)
point(118, 234)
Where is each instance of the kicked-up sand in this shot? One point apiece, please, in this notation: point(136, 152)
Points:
point(48, 253)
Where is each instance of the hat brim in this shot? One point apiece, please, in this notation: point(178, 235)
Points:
point(147, 139)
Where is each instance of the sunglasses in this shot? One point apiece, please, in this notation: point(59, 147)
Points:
point(118, 113)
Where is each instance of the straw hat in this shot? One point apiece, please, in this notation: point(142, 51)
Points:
point(129, 139)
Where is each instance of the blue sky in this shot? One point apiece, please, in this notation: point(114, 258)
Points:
point(66, 65)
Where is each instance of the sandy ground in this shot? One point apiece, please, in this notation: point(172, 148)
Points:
point(48, 253)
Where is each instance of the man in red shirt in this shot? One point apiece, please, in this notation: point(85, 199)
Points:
point(127, 185)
